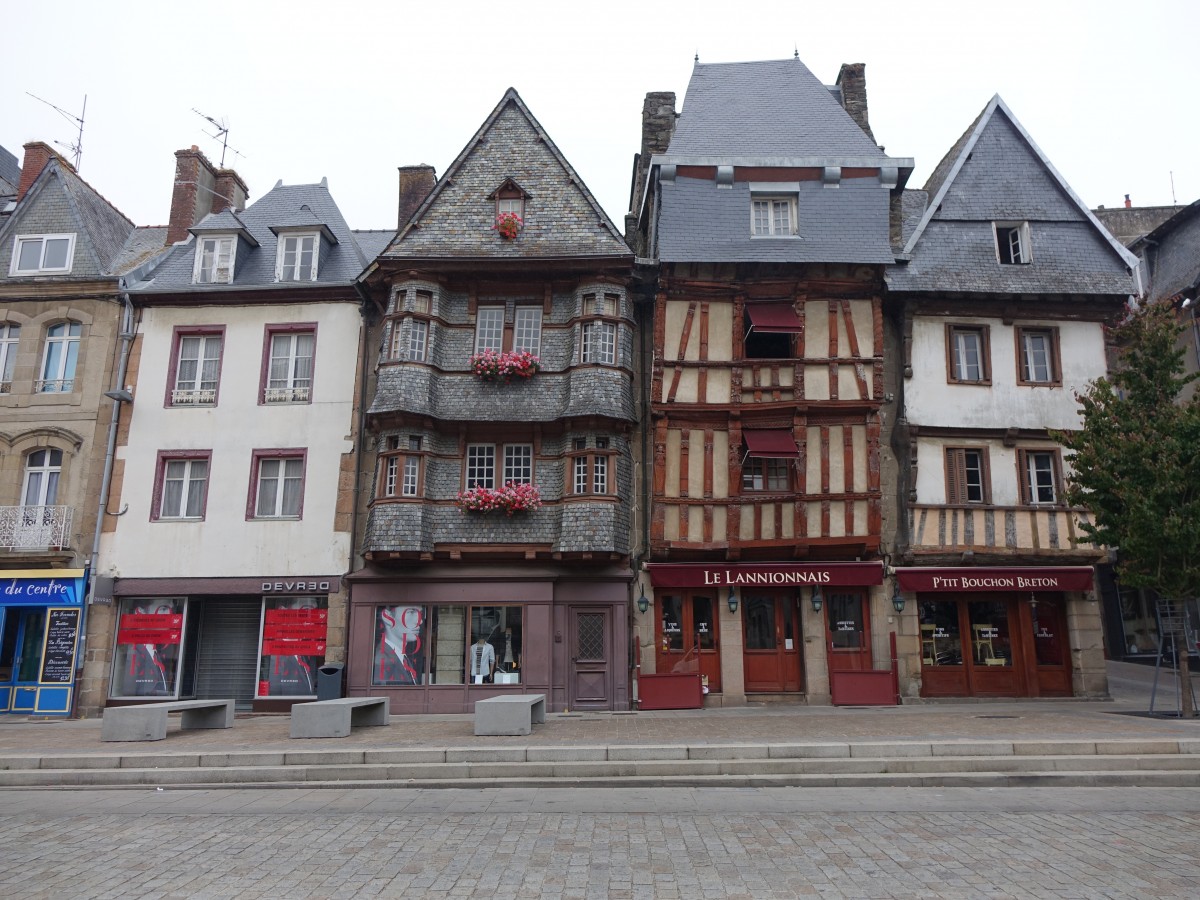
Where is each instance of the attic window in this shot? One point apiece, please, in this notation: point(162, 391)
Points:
point(1012, 243)
point(297, 259)
point(773, 216)
point(510, 200)
point(214, 260)
point(38, 254)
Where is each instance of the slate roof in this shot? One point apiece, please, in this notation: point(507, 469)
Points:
point(562, 219)
point(996, 173)
point(254, 266)
point(775, 109)
point(143, 243)
point(1173, 249)
point(10, 173)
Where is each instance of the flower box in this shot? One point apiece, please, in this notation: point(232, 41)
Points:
point(508, 225)
point(509, 499)
point(492, 366)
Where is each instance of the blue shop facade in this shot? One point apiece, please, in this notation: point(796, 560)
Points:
point(41, 620)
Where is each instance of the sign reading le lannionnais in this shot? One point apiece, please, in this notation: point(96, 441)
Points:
point(765, 575)
point(735, 577)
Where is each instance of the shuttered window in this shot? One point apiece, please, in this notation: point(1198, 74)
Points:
point(967, 477)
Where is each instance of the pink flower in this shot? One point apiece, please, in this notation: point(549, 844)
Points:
point(493, 366)
point(511, 498)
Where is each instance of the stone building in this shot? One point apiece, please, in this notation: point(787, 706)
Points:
point(496, 534)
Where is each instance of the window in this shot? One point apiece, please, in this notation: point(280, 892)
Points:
point(481, 466)
point(42, 471)
point(59, 358)
point(599, 343)
point(39, 254)
point(1040, 476)
point(214, 260)
point(147, 653)
point(401, 467)
point(511, 206)
point(967, 477)
point(435, 644)
point(527, 329)
point(418, 340)
point(297, 258)
point(759, 474)
point(968, 352)
point(290, 364)
point(1038, 352)
point(773, 216)
point(181, 485)
point(197, 368)
point(423, 302)
point(489, 328)
point(518, 464)
point(1012, 243)
point(590, 470)
point(278, 484)
point(10, 335)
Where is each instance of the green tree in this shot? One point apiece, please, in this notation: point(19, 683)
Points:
point(1136, 460)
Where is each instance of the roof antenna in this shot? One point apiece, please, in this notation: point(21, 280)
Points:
point(796, 53)
point(77, 147)
point(222, 135)
point(697, 59)
point(1174, 201)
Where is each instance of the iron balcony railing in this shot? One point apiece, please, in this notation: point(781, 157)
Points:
point(35, 527)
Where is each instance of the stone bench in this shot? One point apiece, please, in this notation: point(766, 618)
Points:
point(335, 718)
point(148, 721)
point(511, 714)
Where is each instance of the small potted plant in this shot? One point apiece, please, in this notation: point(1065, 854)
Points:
point(508, 225)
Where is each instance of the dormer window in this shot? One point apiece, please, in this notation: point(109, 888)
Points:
point(773, 209)
point(1012, 243)
point(297, 257)
point(42, 254)
point(214, 260)
point(510, 207)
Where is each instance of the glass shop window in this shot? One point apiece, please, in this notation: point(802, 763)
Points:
point(146, 656)
point(293, 646)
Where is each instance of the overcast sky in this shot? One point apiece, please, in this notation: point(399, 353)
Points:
point(309, 90)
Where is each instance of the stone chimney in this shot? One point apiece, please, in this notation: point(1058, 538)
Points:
point(658, 126)
point(415, 184)
point(192, 196)
point(230, 192)
point(852, 80)
point(37, 154)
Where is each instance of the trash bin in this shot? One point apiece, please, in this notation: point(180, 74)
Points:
point(329, 681)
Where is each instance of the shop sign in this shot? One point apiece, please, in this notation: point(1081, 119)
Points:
point(36, 588)
point(297, 587)
point(676, 575)
point(1061, 578)
point(62, 633)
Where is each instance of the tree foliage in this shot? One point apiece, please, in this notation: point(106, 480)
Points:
point(1136, 459)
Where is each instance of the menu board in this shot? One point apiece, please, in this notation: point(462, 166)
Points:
point(58, 660)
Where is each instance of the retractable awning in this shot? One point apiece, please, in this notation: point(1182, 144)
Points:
point(779, 318)
point(776, 443)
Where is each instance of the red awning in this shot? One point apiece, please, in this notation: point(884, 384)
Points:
point(825, 574)
point(771, 444)
point(984, 578)
point(775, 317)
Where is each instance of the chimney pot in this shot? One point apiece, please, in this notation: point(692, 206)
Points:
point(192, 194)
point(37, 154)
point(1128, 202)
point(852, 79)
point(415, 184)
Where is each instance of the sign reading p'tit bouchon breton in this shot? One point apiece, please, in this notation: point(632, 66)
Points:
point(967, 579)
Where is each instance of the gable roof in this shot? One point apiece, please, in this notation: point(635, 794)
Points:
point(10, 173)
point(562, 218)
point(1173, 253)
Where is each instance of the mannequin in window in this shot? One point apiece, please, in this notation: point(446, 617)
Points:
point(483, 661)
point(509, 651)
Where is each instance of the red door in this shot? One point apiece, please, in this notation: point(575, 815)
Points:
point(771, 653)
point(687, 635)
point(848, 628)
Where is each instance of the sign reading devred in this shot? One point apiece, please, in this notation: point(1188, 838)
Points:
point(1030, 578)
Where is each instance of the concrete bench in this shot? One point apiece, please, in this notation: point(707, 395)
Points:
point(510, 714)
point(148, 721)
point(335, 718)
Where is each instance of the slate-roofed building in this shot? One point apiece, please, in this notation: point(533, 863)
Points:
point(63, 251)
point(497, 530)
point(765, 215)
point(999, 297)
point(10, 178)
point(235, 474)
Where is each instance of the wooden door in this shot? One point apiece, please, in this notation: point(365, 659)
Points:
point(1050, 653)
point(992, 646)
point(848, 631)
point(687, 639)
point(771, 652)
point(591, 658)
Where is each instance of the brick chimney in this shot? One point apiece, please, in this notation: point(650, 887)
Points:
point(37, 154)
point(231, 192)
point(852, 80)
point(192, 196)
point(415, 184)
point(658, 126)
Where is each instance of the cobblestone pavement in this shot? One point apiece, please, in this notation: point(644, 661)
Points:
point(650, 843)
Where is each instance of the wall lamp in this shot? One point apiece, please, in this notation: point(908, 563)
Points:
point(732, 600)
point(642, 602)
point(897, 599)
point(817, 600)
point(121, 395)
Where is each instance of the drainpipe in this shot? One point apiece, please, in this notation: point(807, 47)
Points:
point(119, 394)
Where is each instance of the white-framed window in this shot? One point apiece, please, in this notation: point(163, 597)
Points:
point(279, 486)
point(214, 260)
point(297, 260)
point(59, 358)
point(184, 489)
point(43, 468)
point(511, 206)
point(518, 463)
point(418, 339)
point(1040, 476)
point(967, 475)
point(968, 351)
point(1038, 349)
point(10, 336)
point(527, 329)
point(772, 216)
point(290, 366)
point(1013, 247)
point(481, 466)
point(197, 369)
point(401, 471)
point(489, 328)
point(590, 467)
point(599, 343)
point(41, 254)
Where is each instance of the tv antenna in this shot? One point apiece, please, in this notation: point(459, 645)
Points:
point(77, 147)
point(222, 135)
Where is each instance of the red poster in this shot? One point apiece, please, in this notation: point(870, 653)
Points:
point(293, 648)
point(150, 629)
point(288, 616)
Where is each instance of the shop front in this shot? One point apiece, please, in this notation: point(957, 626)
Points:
point(443, 637)
point(41, 620)
point(1001, 632)
point(260, 641)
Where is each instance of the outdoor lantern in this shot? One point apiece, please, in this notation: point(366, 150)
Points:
point(732, 600)
point(643, 603)
point(898, 599)
point(817, 599)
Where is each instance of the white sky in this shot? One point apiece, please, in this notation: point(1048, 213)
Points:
point(310, 90)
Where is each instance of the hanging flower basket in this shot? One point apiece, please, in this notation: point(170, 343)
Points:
point(492, 366)
point(508, 225)
point(512, 498)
